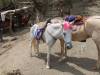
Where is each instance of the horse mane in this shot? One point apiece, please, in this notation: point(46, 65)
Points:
point(48, 21)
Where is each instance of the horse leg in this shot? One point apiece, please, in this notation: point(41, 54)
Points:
point(31, 47)
point(48, 58)
point(50, 42)
point(98, 61)
point(35, 46)
point(62, 47)
point(95, 38)
point(63, 50)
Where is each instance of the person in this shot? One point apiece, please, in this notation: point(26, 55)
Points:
point(69, 20)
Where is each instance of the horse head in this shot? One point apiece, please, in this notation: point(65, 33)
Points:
point(67, 35)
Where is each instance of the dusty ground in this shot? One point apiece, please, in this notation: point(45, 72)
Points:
point(15, 54)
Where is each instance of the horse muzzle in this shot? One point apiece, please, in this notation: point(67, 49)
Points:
point(68, 45)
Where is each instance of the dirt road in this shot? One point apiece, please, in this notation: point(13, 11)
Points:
point(79, 62)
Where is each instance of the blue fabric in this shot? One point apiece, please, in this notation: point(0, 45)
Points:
point(39, 33)
point(70, 18)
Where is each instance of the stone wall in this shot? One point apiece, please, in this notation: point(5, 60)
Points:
point(52, 8)
point(79, 7)
point(86, 7)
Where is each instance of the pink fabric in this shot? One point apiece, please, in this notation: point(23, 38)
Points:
point(67, 26)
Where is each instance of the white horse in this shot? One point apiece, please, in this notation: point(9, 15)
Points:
point(53, 30)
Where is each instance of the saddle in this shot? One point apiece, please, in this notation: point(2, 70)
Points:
point(78, 24)
point(37, 32)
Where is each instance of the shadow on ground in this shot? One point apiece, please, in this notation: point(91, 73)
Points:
point(85, 63)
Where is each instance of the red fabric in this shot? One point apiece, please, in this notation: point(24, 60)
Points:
point(67, 26)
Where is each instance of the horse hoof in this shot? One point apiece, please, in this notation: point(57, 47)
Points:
point(48, 67)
